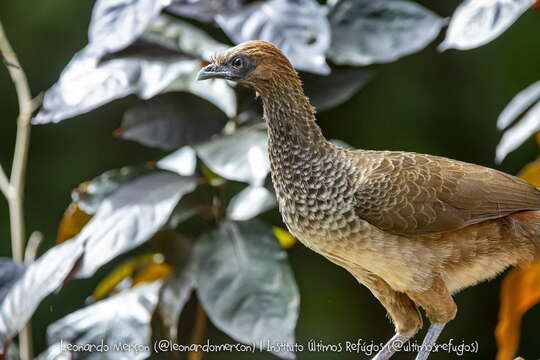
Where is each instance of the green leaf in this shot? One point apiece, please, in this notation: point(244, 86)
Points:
point(246, 285)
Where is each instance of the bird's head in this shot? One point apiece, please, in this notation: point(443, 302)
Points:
point(258, 64)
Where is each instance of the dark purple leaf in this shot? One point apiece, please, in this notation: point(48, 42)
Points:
point(10, 271)
point(181, 36)
point(246, 285)
point(170, 121)
point(326, 92)
point(173, 297)
point(41, 278)
point(88, 83)
point(204, 10)
point(116, 24)
point(158, 63)
point(120, 319)
point(90, 195)
point(183, 161)
point(130, 216)
point(366, 32)
point(477, 22)
point(526, 107)
point(250, 202)
point(242, 156)
point(299, 28)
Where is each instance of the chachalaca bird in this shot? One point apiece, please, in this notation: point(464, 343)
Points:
point(413, 228)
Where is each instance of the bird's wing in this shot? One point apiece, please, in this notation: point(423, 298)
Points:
point(416, 194)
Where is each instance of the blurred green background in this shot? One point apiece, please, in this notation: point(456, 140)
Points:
point(438, 103)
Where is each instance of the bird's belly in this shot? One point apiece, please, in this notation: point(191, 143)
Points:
point(337, 233)
point(352, 242)
point(367, 248)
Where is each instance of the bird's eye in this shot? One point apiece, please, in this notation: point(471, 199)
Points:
point(237, 62)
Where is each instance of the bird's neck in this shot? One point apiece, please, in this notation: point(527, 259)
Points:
point(296, 145)
point(305, 166)
point(290, 116)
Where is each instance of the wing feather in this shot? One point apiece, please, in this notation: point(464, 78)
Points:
point(417, 194)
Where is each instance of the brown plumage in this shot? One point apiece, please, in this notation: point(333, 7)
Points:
point(413, 228)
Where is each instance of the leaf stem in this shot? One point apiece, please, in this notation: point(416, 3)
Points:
point(201, 323)
point(14, 189)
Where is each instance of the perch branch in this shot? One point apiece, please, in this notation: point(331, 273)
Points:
point(14, 189)
point(201, 322)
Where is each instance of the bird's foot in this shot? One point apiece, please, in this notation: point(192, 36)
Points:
point(393, 345)
point(429, 341)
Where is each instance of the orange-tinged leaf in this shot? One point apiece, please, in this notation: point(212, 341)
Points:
point(151, 272)
point(72, 223)
point(284, 237)
point(520, 288)
point(109, 283)
point(536, 4)
point(520, 291)
point(126, 270)
point(531, 173)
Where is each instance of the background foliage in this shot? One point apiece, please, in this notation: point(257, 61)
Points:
point(439, 103)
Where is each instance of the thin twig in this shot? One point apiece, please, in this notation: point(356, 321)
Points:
point(18, 172)
point(7, 63)
point(5, 187)
point(30, 254)
point(199, 332)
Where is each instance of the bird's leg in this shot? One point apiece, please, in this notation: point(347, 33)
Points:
point(393, 345)
point(429, 341)
point(402, 310)
point(440, 308)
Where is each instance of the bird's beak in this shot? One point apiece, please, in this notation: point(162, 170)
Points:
point(213, 71)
